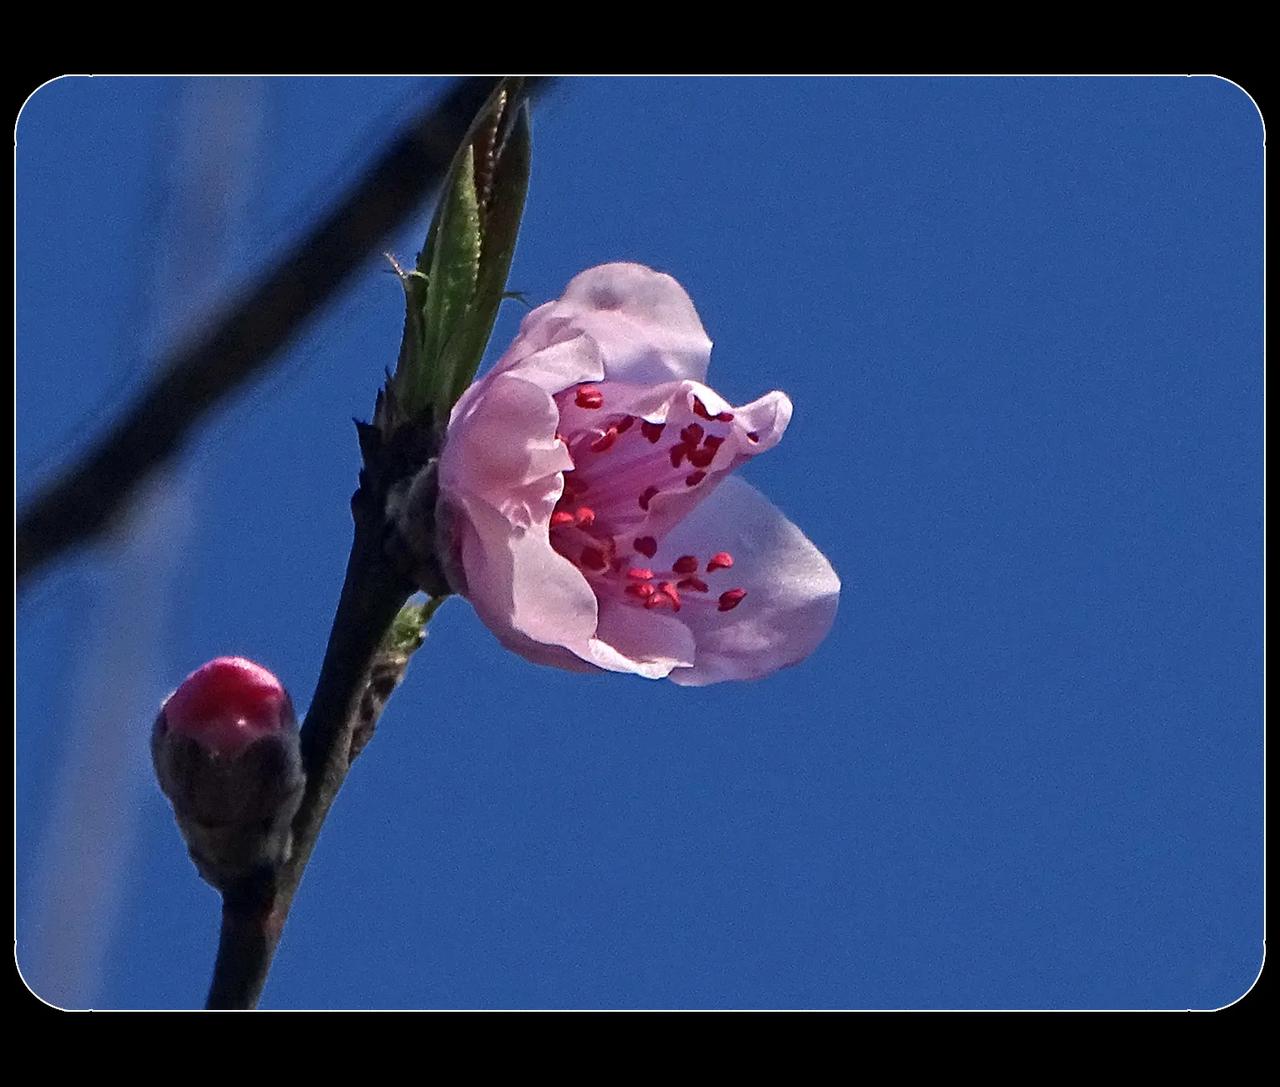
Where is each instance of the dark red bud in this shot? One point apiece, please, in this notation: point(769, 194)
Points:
point(227, 704)
point(226, 753)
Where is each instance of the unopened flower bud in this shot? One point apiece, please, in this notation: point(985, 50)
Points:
point(225, 747)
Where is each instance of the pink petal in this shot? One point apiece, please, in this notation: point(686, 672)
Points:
point(503, 450)
point(643, 321)
point(549, 354)
point(499, 481)
point(792, 591)
point(766, 418)
point(521, 589)
point(616, 322)
point(645, 642)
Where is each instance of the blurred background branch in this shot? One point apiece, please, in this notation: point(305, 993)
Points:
point(194, 380)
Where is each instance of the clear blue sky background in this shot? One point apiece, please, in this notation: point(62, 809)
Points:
point(1021, 322)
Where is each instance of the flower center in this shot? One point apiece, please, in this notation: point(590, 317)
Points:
point(621, 463)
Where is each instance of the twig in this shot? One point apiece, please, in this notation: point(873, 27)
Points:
point(250, 932)
point(355, 678)
point(193, 381)
point(392, 553)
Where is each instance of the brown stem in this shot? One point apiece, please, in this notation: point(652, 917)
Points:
point(250, 931)
point(253, 917)
point(357, 675)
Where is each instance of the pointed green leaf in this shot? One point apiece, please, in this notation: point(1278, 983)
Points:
point(489, 127)
point(455, 266)
point(502, 213)
point(452, 298)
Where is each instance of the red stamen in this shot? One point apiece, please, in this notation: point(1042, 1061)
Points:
point(652, 431)
point(694, 478)
point(586, 516)
point(605, 441)
point(560, 519)
point(646, 545)
point(731, 599)
point(642, 589)
point(721, 560)
point(685, 564)
point(694, 583)
point(640, 573)
point(656, 599)
point(668, 590)
point(648, 496)
point(593, 558)
point(589, 397)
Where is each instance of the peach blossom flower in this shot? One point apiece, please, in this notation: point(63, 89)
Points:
point(587, 506)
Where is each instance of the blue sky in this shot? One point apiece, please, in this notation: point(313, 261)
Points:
point(1021, 324)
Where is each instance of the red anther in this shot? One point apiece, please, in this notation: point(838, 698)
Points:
point(646, 545)
point(700, 409)
point(692, 434)
point(624, 424)
point(694, 478)
point(731, 599)
point(752, 436)
point(668, 590)
point(593, 558)
point(685, 564)
point(694, 583)
point(657, 599)
point(652, 431)
point(640, 573)
point(605, 441)
point(586, 516)
point(702, 458)
point(641, 589)
point(559, 519)
point(589, 397)
point(721, 560)
point(650, 493)
point(678, 454)
point(725, 417)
